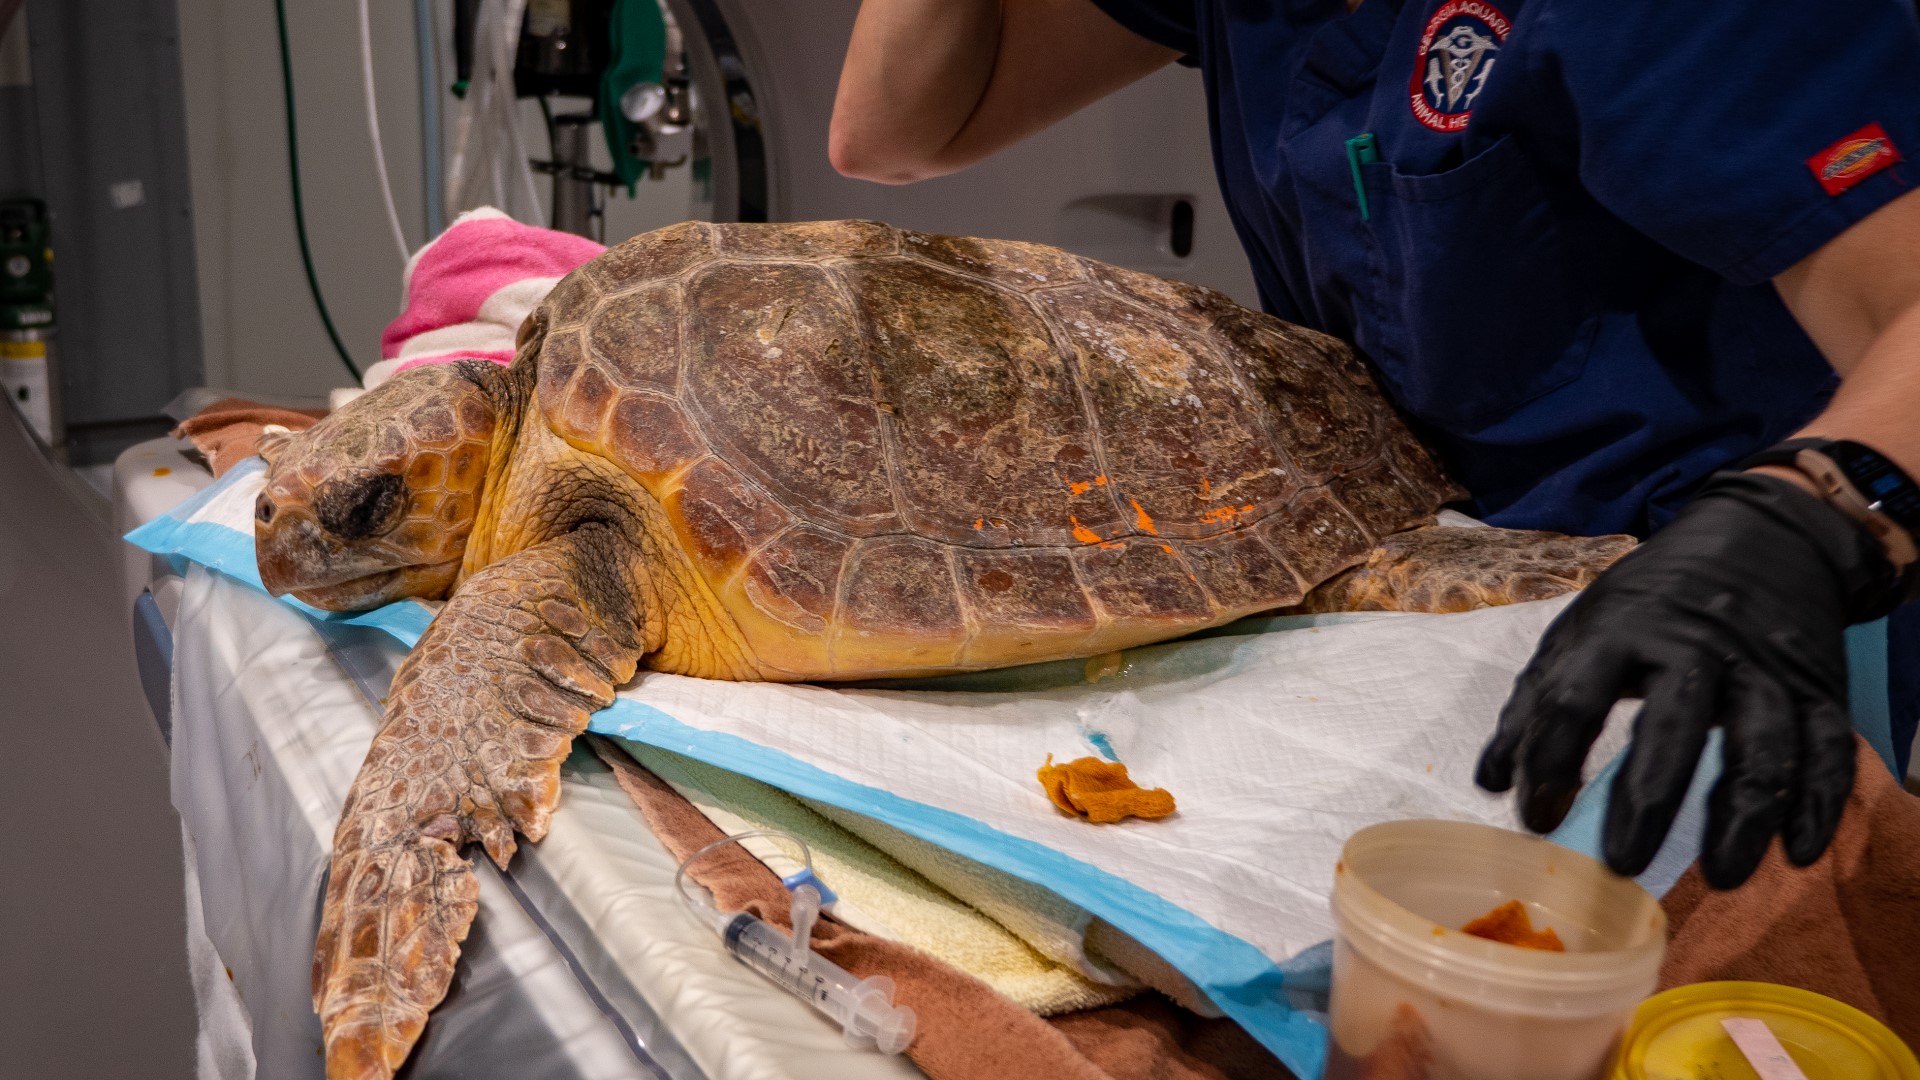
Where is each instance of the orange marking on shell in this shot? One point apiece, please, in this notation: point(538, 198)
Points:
point(979, 523)
point(1141, 519)
point(1206, 486)
point(1226, 513)
point(1168, 548)
point(1111, 545)
point(1082, 533)
point(1080, 487)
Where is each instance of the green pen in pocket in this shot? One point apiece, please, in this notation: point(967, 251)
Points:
point(1361, 150)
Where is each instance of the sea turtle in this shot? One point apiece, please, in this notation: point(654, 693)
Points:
point(815, 451)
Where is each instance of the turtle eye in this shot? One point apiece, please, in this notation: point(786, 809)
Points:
point(360, 507)
point(263, 509)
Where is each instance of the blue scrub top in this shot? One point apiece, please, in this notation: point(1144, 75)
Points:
point(1558, 257)
point(1551, 225)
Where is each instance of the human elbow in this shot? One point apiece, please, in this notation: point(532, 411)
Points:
point(879, 160)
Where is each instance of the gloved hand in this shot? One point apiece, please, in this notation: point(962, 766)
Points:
point(1733, 615)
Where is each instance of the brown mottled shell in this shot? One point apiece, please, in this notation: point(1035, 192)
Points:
point(891, 452)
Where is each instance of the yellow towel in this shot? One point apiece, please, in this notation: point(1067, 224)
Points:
point(1056, 928)
point(1053, 926)
point(1106, 944)
point(877, 894)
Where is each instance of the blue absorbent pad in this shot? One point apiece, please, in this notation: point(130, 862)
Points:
point(1278, 740)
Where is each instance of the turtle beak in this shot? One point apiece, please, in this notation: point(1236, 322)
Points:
point(294, 553)
point(296, 556)
point(276, 569)
point(288, 548)
point(431, 582)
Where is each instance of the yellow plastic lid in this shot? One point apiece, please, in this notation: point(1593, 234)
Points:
point(1678, 1036)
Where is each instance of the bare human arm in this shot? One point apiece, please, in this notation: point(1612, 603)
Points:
point(1858, 297)
point(931, 86)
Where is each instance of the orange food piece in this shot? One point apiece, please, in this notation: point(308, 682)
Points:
point(1101, 791)
point(1509, 924)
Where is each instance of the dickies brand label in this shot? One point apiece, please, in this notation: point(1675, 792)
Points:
point(1853, 159)
point(1456, 55)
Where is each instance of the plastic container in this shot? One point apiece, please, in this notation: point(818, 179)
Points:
point(1677, 1035)
point(1415, 999)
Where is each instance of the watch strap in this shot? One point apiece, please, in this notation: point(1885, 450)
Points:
point(1820, 461)
point(1838, 489)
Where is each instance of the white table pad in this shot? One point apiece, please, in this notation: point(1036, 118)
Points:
point(269, 731)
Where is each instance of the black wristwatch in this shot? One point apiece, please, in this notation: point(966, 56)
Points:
point(1867, 487)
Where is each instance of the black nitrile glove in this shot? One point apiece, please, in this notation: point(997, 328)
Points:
point(1733, 615)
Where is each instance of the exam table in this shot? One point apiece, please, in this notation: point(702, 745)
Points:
point(582, 964)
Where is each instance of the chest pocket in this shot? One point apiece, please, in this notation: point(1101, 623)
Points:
point(1479, 308)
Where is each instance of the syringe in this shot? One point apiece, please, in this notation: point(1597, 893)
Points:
point(864, 1008)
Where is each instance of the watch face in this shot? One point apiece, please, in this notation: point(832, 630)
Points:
point(1880, 481)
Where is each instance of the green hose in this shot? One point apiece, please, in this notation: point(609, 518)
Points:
point(299, 210)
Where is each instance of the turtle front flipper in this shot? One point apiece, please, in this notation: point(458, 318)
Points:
point(1443, 569)
point(478, 720)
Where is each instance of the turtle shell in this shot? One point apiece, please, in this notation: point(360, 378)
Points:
point(886, 452)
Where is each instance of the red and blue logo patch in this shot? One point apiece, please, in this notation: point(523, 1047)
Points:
point(1457, 52)
point(1853, 159)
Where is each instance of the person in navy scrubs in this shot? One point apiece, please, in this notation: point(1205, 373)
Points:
point(1629, 267)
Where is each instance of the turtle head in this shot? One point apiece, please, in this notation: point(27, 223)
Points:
point(374, 503)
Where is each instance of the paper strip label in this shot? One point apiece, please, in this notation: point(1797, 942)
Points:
point(1763, 1050)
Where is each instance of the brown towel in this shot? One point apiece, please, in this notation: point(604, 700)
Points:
point(966, 1031)
point(227, 431)
point(1148, 1037)
point(1848, 926)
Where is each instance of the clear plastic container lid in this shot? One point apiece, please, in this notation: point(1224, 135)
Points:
point(1678, 1036)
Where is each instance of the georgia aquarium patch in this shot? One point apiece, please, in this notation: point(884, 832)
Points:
point(1457, 52)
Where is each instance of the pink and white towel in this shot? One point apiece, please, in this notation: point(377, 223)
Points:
point(470, 288)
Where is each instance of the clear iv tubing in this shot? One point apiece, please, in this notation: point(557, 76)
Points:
point(864, 1008)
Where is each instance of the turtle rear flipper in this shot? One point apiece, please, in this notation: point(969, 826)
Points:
point(479, 718)
point(1443, 569)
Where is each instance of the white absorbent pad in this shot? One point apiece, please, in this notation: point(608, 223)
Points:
point(1277, 744)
